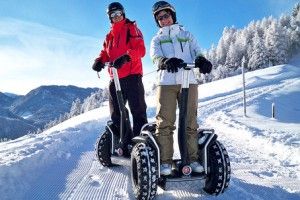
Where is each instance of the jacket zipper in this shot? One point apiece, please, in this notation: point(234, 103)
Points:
point(181, 46)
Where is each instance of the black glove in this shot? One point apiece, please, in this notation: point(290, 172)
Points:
point(161, 63)
point(172, 64)
point(119, 62)
point(98, 66)
point(203, 64)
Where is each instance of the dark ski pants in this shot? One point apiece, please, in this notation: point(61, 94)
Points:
point(133, 92)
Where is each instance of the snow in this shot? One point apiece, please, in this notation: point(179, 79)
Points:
point(26, 115)
point(264, 151)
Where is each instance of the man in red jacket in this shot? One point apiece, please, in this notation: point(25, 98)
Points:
point(124, 46)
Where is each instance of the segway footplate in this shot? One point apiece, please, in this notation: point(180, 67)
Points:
point(187, 183)
point(120, 161)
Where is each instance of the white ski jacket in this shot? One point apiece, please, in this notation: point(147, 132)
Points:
point(174, 41)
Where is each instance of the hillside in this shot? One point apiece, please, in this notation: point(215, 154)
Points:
point(38, 105)
point(21, 114)
point(264, 152)
point(6, 100)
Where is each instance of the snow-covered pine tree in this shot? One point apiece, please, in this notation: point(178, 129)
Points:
point(232, 57)
point(212, 56)
point(258, 58)
point(280, 39)
point(245, 41)
point(220, 72)
point(276, 44)
point(265, 24)
point(223, 45)
point(75, 108)
point(236, 50)
point(296, 11)
point(295, 30)
point(248, 35)
point(95, 100)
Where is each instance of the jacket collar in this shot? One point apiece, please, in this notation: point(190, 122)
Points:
point(172, 30)
point(116, 27)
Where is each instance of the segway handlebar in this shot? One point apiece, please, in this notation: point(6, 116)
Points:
point(108, 64)
point(186, 66)
point(122, 109)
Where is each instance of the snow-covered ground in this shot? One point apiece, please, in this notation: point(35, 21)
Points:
point(264, 151)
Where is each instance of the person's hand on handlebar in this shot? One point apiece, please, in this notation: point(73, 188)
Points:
point(120, 61)
point(203, 64)
point(170, 64)
point(98, 66)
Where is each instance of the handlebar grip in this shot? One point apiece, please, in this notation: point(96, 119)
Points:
point(189, 65)
point(107, 64)
point(186, 66)
point(183, 65)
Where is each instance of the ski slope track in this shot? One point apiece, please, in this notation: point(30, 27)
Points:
point(60, 163)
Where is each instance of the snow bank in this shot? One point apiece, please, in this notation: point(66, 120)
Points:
point(22, 160)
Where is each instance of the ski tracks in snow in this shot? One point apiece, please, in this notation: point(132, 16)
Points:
point(259, 162)
point(90, 180)
point(97, 182)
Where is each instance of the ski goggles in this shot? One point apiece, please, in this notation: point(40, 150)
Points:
point(116, 13)
point(165, 16)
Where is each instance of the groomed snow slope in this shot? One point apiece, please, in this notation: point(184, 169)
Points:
point(264, 152)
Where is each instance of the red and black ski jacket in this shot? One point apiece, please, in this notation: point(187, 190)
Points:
point(124, 38)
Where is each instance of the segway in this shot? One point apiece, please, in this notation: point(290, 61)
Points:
point(145, 157)
point(115, 143)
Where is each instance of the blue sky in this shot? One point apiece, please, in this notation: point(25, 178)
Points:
point(55, 42)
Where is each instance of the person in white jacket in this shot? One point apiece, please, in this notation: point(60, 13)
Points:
point(170, 47)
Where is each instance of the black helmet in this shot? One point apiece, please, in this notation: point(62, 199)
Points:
point(163, 5)
point(113, 7)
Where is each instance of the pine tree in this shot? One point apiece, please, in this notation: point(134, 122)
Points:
point(295, 30)
point(212, 56)
point(231, 57)
point(258, 58)
point(75, 108)
point(223, 45)
point(276, 44)
point(296, 11)
point(260, 43)
point(221, 52)
point(95, 100)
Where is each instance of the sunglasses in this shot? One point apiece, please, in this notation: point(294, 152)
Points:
point(165, 16)
point(117, 13)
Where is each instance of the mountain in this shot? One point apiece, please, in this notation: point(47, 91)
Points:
point(38, 107)
point(264, 152)
point(11, 95)
point(6, 100)
point(46, 103)
point(13, 126)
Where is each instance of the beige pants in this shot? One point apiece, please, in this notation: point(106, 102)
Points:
point(167, 98)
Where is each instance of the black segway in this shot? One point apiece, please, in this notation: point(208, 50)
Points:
point(145, 157)
point(115, 143)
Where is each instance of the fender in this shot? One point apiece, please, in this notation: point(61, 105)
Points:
point(110, 127)
point(206, 138)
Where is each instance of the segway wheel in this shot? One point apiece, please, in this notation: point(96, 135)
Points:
point(218, 175)
point(102, 149)
point(144, 172)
